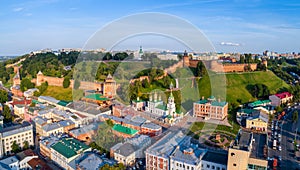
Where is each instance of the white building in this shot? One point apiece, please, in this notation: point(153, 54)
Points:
point(19, 133)
point(66, 150)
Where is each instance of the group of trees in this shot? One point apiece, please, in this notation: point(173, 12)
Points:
point(16, 148)
point(6, 112)
point(49, 63)
point(117, 56)
point(5, 72)
point(41, 89)
point(258, 90)
point(26, 84)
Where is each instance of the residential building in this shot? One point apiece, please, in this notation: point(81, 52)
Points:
point(84, 133)
point(280, 98)
point(248, 152)
point(89, 161)
point(18, 133)
point(24, 157)
point(12, 162)
point(131, 149)
point(186, 157)
point(210, 109)
point(158, 154)
point(258, 121)
point(151, 129)
point(258, 103)
point(214, 160)
point(46, 143)
point(124, 131)
point(66, 150)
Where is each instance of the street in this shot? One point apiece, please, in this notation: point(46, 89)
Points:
point(287, 133)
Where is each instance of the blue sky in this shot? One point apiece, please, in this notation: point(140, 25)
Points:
point(231, 25)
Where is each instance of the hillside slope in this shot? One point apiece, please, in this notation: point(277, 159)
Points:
point(236, 85)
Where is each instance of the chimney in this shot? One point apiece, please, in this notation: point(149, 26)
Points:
point(202, 98)
point(219, 100)
point(138, 98)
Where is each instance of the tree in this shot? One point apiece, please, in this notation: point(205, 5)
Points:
point(66, 82)
point(295, 116)
point(15, 147)
point(7, 114)
point(26, 84)
point(76, 84)
point(25, 145)
point(3, 96)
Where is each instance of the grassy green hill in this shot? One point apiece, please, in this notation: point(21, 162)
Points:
point(236, 84)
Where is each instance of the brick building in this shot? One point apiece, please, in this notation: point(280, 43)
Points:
point(210, 109)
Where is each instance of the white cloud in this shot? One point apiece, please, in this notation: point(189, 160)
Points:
point(18, 9)
point(229, 44)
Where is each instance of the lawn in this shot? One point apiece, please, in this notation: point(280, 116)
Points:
point(236, 85)
point(59, 93)
point(197, 126)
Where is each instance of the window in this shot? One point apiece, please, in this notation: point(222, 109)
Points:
point(208, 166)
point(232, 154)
point(218, 168)
point(234, 164)
point(213, 167)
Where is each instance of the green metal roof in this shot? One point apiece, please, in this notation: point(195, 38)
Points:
point(247, 111)
point(202, 101)
point(69, 147)
point(161, 107)
point(123, 129)
point(35, 101)
point(213, 103)
point(96, 96)
point(63, 103)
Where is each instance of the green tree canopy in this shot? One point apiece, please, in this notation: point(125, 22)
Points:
point(3, 96)
point(26, 84)
point(7, 114)
point(66, 82)
point(15, 147)
point(25, 145)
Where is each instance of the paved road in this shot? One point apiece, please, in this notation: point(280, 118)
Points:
point(287, 153)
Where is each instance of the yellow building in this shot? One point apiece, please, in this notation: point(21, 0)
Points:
point(258, 122)
point(248, 152)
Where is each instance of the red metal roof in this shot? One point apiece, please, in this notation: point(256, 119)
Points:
point(283, 95)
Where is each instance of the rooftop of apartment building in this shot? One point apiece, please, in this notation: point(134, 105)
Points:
point(15, 129)
point(49, 141)
point(69, 147)
point(188, 154)
point(86, 107)
point(166, 145)
point(84, 129)
point(243, 141)
point(216, 157)
point(90, 161)
point(259, 146)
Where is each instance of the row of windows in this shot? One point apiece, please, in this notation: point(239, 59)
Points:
point(26, 134)
point(212, 167)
